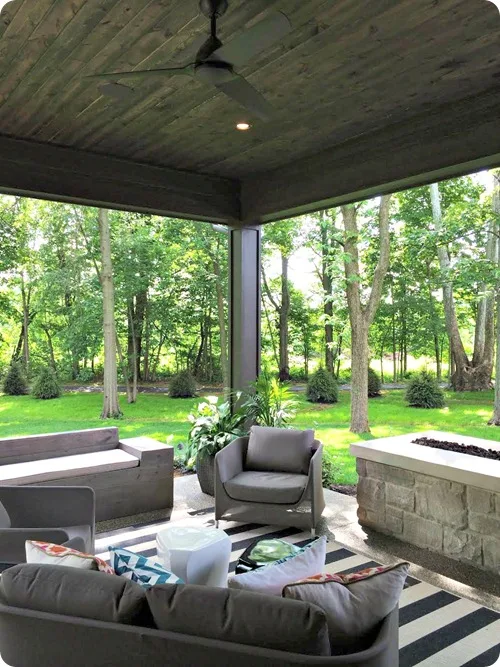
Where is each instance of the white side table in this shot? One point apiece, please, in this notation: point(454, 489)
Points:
point(198, 555)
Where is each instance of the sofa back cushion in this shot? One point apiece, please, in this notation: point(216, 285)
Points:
point(240, 617)
point(72, 592)
point(52, 445)
point(279, 450)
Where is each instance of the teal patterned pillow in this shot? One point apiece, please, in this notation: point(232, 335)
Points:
point(145, 571)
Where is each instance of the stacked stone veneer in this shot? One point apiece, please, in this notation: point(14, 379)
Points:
point(458, 520)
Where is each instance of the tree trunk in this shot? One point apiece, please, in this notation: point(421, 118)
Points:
point(51, 349)
point(26, 322)
point(221, 316)
point(111, 408)
point(327, 295)
point(496, 211)
point(284, 367)
point(359, 377)
point(132, 394)
point(361, 314)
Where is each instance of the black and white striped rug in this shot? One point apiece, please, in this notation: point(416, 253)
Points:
point(437, 629)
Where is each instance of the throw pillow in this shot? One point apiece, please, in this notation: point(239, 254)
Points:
point(56, 554)
point(144, 571)
point(279, 450)
point(74, 592)
point(354, 604)
point(240, 617)
point(4, 517)
point(272, 578)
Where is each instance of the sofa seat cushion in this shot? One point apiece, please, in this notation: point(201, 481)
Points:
point(280, 488)
point(63, 467)
point(240, 617)
point(72, 592)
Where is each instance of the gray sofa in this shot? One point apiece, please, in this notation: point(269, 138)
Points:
point(52, 616)
point(59, 514)
point(290, 497)
point(128, 476)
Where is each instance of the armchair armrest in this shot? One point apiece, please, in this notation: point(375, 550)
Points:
point(12, 541)
point(49, 506)
point(316, 463)
point(229, 461)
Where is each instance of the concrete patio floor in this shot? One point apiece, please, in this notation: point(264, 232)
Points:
point(339, 522)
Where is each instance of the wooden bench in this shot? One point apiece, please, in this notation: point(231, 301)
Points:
point(128, 476)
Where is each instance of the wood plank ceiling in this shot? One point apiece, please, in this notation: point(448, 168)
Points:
point(349, 68)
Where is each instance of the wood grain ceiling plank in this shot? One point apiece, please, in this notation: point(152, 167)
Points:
point(25, 97)
point(104, 48)
point(300, 92)
point(11, 12)
point(109, 111)
point(335, 122)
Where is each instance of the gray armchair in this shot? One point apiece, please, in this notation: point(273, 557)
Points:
point(59, 514)
point(268, 496)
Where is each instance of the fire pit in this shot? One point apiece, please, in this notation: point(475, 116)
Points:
point(444, 499)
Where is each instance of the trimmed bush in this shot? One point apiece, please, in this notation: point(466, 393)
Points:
point(322, 387)
point(46, 385)
point(330, 469)
point(85, 375)
point(182, 385)
point(424, 392)
point(15, 383)
point(374, 384)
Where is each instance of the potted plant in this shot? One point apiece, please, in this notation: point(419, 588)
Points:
point(213, 427)
point(270, 404)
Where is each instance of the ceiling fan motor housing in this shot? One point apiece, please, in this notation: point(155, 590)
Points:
point(211, 8)
point(214, 73)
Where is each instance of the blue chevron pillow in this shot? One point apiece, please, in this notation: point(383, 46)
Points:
point(145, 571)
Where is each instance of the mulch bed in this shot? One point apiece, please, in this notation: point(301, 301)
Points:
point(473, 450)
point(345, 489)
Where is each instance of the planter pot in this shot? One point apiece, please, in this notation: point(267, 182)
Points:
point(205, 469)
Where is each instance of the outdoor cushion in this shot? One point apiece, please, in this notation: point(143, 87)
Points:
point(4, 517)
point(72, 592)
point(63, 467)
point(266, 487)
point(82, 532)
point(240, 617)
point(145, 571)
point(46, 553)
point(271, 579)
point(354, 604)
point(279, 450)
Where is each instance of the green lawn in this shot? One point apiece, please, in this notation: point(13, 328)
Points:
point(158, 416)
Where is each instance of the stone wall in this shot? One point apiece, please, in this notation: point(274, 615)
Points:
point(458, 520)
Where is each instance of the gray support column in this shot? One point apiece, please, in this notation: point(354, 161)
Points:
point(244, 306)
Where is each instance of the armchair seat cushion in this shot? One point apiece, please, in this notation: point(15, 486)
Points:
point(267, 487)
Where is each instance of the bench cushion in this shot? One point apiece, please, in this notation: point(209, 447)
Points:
point(63, 467)
point(266, 487)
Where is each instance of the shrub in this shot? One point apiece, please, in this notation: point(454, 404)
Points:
point(374, 384)
point(330, 469)
point(15, 383)
point(270, 403)
point(85, 375)
point(344, 376)
point(46, 385)
point(322, 387)
point(424, 392)
point(182, 385)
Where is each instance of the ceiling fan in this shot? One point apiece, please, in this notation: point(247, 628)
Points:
point(215, 63)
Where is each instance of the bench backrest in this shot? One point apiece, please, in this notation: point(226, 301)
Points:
point(52, 445)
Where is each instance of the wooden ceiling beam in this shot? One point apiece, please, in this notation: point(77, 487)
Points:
point(448, 141)
point(65, 174)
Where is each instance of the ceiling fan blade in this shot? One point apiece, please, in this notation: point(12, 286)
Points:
point(258, 38)
point(243, 92)
point(147, 73)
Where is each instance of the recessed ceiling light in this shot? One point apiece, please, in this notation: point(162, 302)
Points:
point(243, 127)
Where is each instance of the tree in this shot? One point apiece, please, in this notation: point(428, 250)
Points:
point(495, 201)
point(470, 374)
point(362, 311)
point(111, 407)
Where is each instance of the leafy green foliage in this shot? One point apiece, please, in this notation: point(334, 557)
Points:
point(46, 385)
point(322, 387)
point(182, 385)
point(424, 392)
point(15, 383)
point(271, 403)
point(374, 384)
point(213, 426)
point(330, 469)
point(85, 375)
